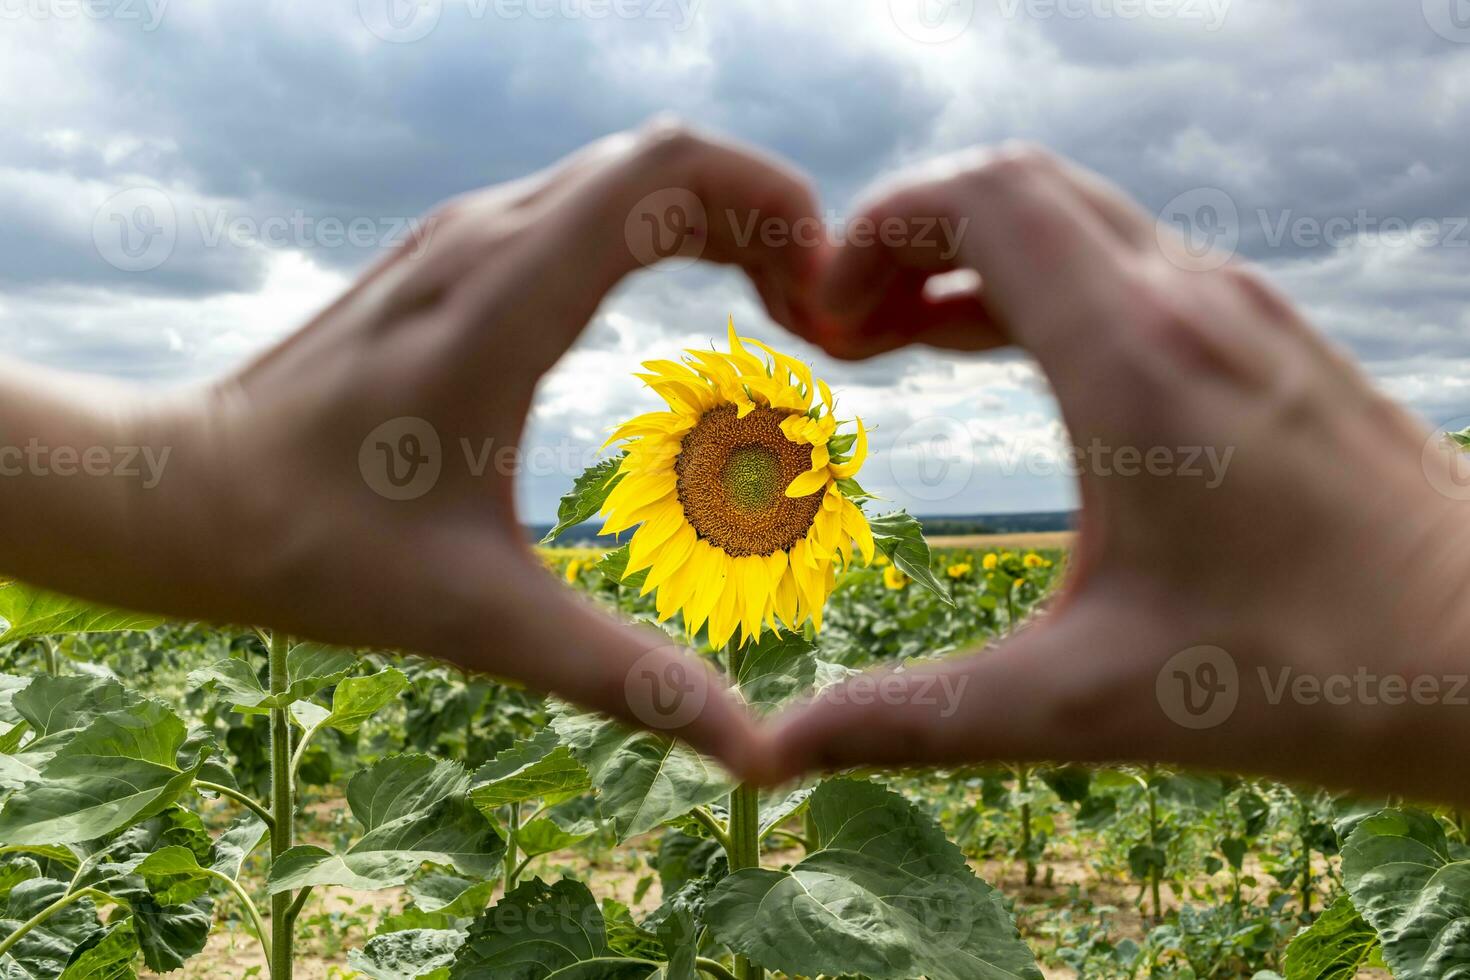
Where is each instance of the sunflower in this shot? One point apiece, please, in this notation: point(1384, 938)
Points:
point(742, 492)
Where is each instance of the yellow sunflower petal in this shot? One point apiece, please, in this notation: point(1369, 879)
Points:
point(807, 483)
point(843, 471)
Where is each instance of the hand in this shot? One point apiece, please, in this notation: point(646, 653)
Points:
point(278, 507)
point(1323, 551)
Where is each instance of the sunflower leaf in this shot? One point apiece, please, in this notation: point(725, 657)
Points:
point(1335, 947)
point(44, 951)
point(642, 779)
point(407, 955)
point(775, 669)
point(120, 769)
point(309, 668)
point(899, 536)
point(414, 810)
point(614, 565)
point(540, 931)
point(539, 767)
point(31, 612)
point(589, 492)
point(1398, 869)
point(887, 897)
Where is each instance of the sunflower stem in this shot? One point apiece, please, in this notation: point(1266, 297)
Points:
point(744, 847)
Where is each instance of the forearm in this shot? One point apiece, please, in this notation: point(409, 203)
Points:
point(85, 464)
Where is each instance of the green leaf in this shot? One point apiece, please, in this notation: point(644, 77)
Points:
point(543, 835)
point(110, 959)
point(642, 779)
point(120, 769)
point(451, 895)
point(356, 699)
point(887, 896)
point(539, 767)
point(589, 492)
point(541, 932)
point(59, 704)
point(176, 875)
point(230, 851)
point(408, 955)
point(777, 668)
point(784, 805)
point(1460, 439)
point(1397, 868)
point(414, 810)
point(170, 934)
point(43, 952)
point(614, 567)
point(1334, 947)
point(309, 668)
point(32, 612)
point(899, 536)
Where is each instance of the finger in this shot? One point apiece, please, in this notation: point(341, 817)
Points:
point(908, 313)
point(560, 643)
point(677, 193)
point(1049, 262)
point(663, 194)
point(1064, 689)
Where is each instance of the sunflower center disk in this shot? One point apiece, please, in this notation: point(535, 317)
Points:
point(732, 478)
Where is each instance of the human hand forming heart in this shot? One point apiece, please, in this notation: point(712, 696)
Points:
point(286, 505)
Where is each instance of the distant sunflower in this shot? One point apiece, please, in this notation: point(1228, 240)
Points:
point(740, 492)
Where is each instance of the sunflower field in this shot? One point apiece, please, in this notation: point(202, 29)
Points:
point(208, 802)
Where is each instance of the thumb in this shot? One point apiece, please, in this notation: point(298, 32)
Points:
point(637, 675)
point(1075, 686)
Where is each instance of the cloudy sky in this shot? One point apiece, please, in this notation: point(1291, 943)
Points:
point(1309, 133)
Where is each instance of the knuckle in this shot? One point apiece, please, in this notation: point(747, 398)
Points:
point(1013, 164)
point(667, 139)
